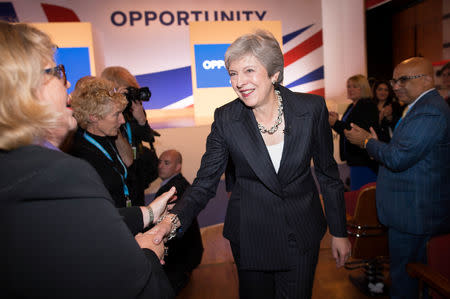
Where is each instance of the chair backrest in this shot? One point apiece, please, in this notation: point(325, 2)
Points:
point(366, 209)
point(370, 236)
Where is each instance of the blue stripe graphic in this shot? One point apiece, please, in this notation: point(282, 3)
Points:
point(315, 75)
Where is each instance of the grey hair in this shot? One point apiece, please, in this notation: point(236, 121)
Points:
point(261, 44)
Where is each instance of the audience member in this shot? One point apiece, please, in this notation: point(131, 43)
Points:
point(62, 236)
point(274, 218)
point(389, 109)
point(98, 107)
point(413, 186)
point(361, 111)
point(185, 253)
point(143, 161)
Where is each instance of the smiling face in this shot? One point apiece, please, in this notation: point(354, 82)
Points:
point(53, 93)
point(110, 123)
point(382, 92)
point(251, 82)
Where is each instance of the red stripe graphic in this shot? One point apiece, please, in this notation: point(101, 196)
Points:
point(57, 13)
point(319, 92)
point(303, 49)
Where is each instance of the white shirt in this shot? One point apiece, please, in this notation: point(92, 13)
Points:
point(275, 153)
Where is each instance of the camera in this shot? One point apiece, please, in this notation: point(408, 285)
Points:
point(138, 94)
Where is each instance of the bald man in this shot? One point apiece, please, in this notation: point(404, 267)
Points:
point(413, 185)
point(185, 253)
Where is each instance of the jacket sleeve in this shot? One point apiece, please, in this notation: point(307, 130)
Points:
point(411, 144)
point(204, 187)
point(327, 174)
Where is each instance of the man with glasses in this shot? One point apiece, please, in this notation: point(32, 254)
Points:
point(413, 185)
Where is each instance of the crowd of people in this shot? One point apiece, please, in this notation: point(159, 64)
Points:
point(74, 175)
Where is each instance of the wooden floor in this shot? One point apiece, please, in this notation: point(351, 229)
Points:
point(216, 276)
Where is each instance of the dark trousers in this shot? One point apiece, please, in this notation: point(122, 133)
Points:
point(403, 249)
point(296, 282)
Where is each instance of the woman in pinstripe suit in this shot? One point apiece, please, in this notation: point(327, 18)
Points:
point(274, 218)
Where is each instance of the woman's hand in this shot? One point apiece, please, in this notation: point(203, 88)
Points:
point(146, 241)
point(137, 110)
point(332, 117)
point(159, 205)
point(341, 250)
point(162, 230)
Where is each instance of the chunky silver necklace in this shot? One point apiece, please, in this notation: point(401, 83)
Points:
point(279, 117)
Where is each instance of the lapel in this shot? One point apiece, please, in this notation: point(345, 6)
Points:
point(250, 142)
point(298, 125)
point(248, 139)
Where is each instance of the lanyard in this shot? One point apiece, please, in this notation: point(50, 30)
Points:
point(123, 177)
point(128, 130)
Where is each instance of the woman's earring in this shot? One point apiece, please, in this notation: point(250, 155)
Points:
point(273, 82)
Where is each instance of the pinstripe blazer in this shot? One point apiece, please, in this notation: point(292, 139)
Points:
point(413, 185)
point(265, 206)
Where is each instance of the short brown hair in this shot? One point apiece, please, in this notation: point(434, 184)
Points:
point(120, 76)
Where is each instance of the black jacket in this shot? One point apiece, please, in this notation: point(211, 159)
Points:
point(62, 237)
point(365, 115)
point(265, 206)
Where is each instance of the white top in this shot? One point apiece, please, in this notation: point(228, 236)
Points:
point(275, 152)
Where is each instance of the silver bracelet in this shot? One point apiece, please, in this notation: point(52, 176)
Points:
point(150, 214)
point(173, 220)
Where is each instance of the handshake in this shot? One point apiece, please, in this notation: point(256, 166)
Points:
point(165, 224)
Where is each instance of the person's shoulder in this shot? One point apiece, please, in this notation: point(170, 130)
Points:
point(49, 169)
point(230, 110)
point(367, 102)
point(300, 102)
point(433, 102)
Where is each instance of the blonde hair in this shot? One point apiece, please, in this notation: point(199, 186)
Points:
point(25, 52)
point(120, 76)
point(261, 44)
point(95, 97)
point(362, 82)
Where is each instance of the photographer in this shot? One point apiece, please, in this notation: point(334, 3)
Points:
point(142, 161)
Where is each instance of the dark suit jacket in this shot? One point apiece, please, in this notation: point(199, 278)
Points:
point(413, 185)
point(62, 236)
point(265, 207)
point(365, 115)
point(185, 252)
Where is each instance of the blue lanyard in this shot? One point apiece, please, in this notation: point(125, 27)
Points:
point(123, 177)
point(128, 130)
point(344, 118)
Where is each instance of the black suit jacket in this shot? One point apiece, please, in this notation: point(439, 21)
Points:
point(185, 252)
point(365, 115)
point(265, 206)
point(62, 236)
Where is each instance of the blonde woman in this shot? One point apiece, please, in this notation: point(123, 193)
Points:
point(62, 237)
point(363, 112)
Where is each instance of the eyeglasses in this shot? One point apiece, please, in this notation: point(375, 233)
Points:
point(403, 79)
point(58, 71)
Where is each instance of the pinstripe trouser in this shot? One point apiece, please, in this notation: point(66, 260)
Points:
point(294, 283)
